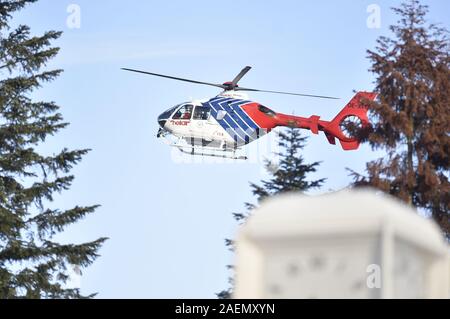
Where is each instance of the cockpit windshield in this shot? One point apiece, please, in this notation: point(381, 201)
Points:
point(184, 112)
point(167, 114)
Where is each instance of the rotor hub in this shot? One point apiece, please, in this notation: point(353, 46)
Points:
point(229, 86)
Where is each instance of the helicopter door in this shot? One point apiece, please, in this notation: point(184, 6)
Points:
point(201, 124)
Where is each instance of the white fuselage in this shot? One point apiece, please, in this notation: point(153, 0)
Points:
point(199, 130)
point(199, 124)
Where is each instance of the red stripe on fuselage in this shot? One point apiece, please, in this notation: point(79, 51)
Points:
point(269, 122)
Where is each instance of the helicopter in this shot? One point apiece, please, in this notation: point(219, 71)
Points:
point(222, 125)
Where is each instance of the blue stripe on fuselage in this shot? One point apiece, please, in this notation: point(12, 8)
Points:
point(214, 105)
point(236, 120)
point(244, 115)
point(232, 121)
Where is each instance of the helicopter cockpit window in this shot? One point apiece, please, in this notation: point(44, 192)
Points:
point(184, 113)
point(266, 110)
point(169, 112)
point(201, 113)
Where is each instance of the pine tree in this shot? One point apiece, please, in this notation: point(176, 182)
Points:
point(411, 118)
point(291, 175)
point(32, 265)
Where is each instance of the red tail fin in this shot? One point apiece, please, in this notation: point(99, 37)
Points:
point(354, 111)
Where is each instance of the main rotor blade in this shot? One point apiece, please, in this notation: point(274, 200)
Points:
point(175, 78)
point(241, 75)
point(287, 93)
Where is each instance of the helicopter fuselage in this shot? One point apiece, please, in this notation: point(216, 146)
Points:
point(221, 122)
point(230, 121)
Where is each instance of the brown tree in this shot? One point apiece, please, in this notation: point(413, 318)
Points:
point(412, 114)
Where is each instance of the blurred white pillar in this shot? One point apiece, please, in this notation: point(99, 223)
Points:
point(331, 246)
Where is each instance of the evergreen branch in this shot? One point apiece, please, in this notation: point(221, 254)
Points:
point(82, 255)
point(28, 53)
point(52, 221)
point(9, 7)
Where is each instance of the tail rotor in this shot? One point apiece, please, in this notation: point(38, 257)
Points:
point(352, 118)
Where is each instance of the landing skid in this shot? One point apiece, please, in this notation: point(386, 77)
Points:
point(200, 150)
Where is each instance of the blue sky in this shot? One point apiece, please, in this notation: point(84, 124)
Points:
point(167, 221)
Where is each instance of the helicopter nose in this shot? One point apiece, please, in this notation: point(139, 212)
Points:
point(162, 121)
